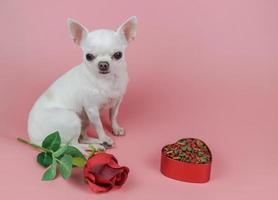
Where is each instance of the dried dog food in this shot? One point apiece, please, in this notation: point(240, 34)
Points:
point(188, 150)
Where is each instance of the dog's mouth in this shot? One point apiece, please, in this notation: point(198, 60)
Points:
point(104, 72)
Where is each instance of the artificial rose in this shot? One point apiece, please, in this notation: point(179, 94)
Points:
point(102, 172)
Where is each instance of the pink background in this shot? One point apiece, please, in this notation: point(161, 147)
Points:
point(206, 69)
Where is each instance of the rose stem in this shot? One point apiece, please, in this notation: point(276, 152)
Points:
point(33, 145)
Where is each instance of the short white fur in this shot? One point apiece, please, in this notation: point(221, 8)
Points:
point(78, 97)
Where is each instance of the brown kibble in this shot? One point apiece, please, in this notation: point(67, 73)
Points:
point(188, 150)
point(199, 143)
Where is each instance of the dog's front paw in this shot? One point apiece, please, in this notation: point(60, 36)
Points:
point(118, 131)
point(107, 141)
point(98, 147)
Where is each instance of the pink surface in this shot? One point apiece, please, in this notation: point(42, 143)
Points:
point(206, 69)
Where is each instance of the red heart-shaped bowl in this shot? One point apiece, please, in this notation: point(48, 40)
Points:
point(184, 170)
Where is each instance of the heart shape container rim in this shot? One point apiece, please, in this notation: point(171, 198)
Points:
point(185, 171)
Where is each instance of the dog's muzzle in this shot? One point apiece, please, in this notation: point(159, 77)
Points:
point(103, 67)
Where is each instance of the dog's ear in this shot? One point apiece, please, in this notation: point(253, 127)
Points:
point(77, 31)
point(128, 29)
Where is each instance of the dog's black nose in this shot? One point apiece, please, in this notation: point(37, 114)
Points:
point(103, 66)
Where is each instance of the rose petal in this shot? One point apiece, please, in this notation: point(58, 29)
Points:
point(113, 180)
point(102, 172)
point(101, 159)
point(105, 171)
point(102, 180)
point(99, 187)
point(91, 177)
point(121, 178)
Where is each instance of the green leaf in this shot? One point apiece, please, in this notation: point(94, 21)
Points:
point(66, 166)
point(79, 162)
point(52, 141)
point(74, 152)
point(50, 173)
point(60, 151)
point(44, 159)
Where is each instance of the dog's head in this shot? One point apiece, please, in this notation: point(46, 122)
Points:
point(103, 49)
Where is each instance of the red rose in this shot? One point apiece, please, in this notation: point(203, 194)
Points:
point(102, 172)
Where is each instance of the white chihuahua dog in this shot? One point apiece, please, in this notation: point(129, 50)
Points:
point(77, 98)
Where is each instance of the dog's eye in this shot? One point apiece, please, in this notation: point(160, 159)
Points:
point(117, 55)
point(90, 57)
